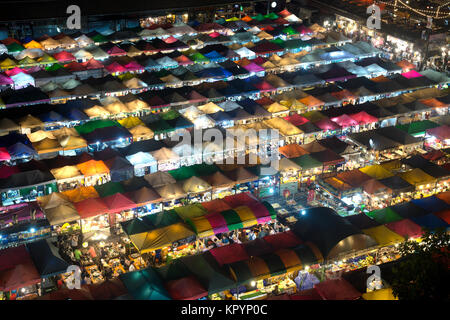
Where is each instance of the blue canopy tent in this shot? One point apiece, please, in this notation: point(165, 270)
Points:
point(51, 116)
point(431, 204)
point(430, 221)
point(19, 150)
point(46, 258)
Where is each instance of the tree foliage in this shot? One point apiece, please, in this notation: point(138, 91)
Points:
point(424, 272)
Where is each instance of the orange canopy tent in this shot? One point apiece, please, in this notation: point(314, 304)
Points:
point(91, 207)
point(292, 151)
point(92, 168)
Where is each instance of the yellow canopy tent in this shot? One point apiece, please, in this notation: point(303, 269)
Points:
point(66, 172)
point(52, 200)
point(285, 127)
point(383, 236)
point(130, 122)
point(116, 107)
point(276, 107)
point(40, 135)
point(47, 145)
point(195, 185)
point(136, 105)
point(33, 45)
point(417, 177)
point(201, 226)
point(160, 238)
point(382, 294)
point(246, 215)
point(30, 121)
point(62, 214)
point(194, 210)
point(391, 165)
point(97, 111)
point(141, 132)
point(171, 191)
point(72, 142)
point(376, 171)
point(210, 107)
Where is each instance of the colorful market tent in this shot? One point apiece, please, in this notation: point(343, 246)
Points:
point(17, 269)
point(91, 207)
point(383, 236)
point(145, 285)
point(46, 258)
point(337, 289)
point(186, 288)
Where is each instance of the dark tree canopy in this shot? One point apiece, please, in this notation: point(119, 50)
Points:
point(424, 272)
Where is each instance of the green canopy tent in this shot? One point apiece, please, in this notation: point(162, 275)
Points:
point(384, 215)
point(145, 285)
point(90, 126)
point(233, 220)
point(182, 173)
point(306, 162)
point(109, 189)
point(417, 128)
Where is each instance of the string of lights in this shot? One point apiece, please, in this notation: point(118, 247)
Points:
point(435, 14)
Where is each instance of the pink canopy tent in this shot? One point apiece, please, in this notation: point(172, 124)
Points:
point(64, 56)
point(253, 67)
point(14, 71)
point(93, 64)
point(363, 118)
point(260, 211)
point(4, 154)
point(411, 74)
point(5, 80)
point(441, 133)
point(170, 39)
point(344, 121)
point(327, 124)
point(218, 222)
point(115, 68)
point(134, 66)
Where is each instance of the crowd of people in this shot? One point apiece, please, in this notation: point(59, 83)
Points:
point(111, 257)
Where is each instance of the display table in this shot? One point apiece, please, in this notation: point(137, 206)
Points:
point(253, 295)
point(94, 274)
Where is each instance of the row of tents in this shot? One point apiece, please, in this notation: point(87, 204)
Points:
point(274, 27)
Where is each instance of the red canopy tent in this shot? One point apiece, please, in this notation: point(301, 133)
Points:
point(216, 205)
point(75, 66)
point(66, 294)
point(363, 118)
point(106, 290)
point(229, 254)
point(7, 171)
point(187, 288)
point(264, 101)
point(17, 269)
point(91, 207)
point(240, 199)
point(444, 215)
point(116, 51)
point(337, 289)
point(310, 294)
point(115, 68)
point(64, 56)
point(283, 240)
point(445, 196)
point(405, 228)
point(118, 202)
point(93, 64)
point(296, 119)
